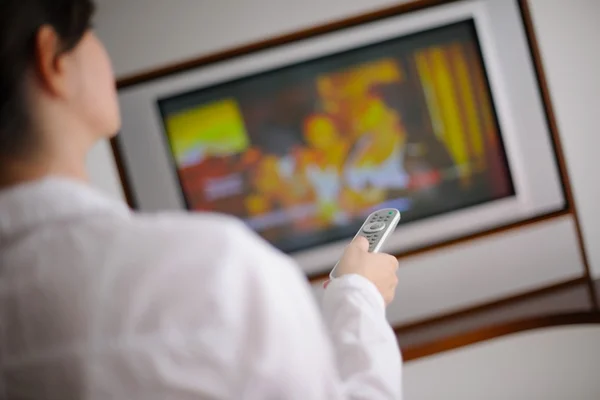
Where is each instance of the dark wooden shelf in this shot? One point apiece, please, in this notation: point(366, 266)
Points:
point(565, 304)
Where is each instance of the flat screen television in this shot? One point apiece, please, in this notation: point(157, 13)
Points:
point(435, 113)
point(304, 153)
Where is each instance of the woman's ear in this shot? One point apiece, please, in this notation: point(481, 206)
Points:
point(50, 63)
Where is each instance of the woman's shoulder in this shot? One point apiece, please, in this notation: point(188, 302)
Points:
point(207, 238)
point(205, 250)
point(198, 228)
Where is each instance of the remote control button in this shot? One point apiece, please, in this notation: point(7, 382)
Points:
point(374, 227)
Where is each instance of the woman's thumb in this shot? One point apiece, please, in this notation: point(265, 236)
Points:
point(360, 242)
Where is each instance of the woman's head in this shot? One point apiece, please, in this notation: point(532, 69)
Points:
point(57, 92)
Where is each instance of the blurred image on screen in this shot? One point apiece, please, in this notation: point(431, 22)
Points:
point(302, 154)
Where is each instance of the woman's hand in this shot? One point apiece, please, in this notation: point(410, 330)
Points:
point(379, 268)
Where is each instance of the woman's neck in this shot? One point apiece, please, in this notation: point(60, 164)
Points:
point(22, 170)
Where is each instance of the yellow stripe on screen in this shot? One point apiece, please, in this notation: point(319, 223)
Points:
point(469, 106)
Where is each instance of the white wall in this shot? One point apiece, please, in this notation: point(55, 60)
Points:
point(103, 171)
point(568, 34)
point(550, 364)
point(142, 35)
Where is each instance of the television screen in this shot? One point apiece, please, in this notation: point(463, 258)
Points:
point(303, 153)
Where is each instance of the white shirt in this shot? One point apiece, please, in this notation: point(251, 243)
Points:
point(100, 303)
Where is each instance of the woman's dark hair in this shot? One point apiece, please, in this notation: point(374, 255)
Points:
point(20, 20)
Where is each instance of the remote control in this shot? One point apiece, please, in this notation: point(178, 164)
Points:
point(377, 228)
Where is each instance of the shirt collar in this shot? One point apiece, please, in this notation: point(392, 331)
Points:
point(27, 205)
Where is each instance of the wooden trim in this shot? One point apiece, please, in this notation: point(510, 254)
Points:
point(496, 331)
point(303, 34)
point(125, 181)
point(460, 240)
point(399, 329)
point(558, 150)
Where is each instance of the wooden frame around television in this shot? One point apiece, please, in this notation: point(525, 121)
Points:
point(444, 343)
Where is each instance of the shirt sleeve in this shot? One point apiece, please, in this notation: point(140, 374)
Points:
point(366, 349)
point(349, 353)
point(234, 318)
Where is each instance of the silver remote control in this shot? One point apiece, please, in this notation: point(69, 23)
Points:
point(376, 228)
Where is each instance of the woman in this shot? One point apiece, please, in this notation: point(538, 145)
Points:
point(101, 303)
